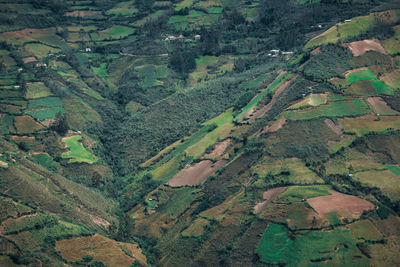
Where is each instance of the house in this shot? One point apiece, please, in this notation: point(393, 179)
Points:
point(287, 53)
point(347, 20)
point(88, 49)
point(197, 37)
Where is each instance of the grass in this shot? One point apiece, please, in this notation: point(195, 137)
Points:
point(215, 10)
point(365, 229)
point(274, 244)
point(275, 84)
point(394, 168)
point(299, 173)
point(150, 75)
point(100, 71)
point(392, 78)
point(40, 50)
point(298, 193)
point(11, 208)
point(363, 74)
point(385, 180)
point(45, 102)
point(46, 161)
point(118, 31)
point(78, 152)
point(354, 107)
point(224, 125)
point(184, 4)
point(46, 113)
point(311, 100)
point(364, 125)
point(37, 90)
point(196, 229)
point(124, 9)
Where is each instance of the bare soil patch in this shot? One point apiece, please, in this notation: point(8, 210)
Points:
point(379, 105)
point(81, 13)
point(29, 60)
point(316, 51)
point(261, 112)
point(274, 127)
point(196, 174)
point(30, 33)
point(335, 128)
point(341, 203)
point(268, 196)
point(219, 150)
point(101, 249)
point(359, 48)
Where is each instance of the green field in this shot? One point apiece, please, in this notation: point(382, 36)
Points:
point(101, 71)
point(151, 75)
point(37, 90)
point(298, 193)
point(47, 102)
point(46, 161)
point(123, 8)
point(386, 180)
point(46, 113)
point(354, 107)
point(364, 125)
point(394, 168)
point(337, 247)
point(78, 152)
point(363, 74)
point(40, 50)
point(118, 31)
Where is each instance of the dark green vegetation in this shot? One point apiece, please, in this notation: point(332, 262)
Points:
point(111, 112)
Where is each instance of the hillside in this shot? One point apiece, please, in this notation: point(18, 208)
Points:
point(199, 133)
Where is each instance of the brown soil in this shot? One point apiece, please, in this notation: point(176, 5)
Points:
point(261, 112)
point(219, 149)
point(335, 128)
point(25, 124)
point(275, 127)
point(338, 202)
point(29, 33)
point(29, 60)
point(268, 196)
point(101, 249)
point(196, 174)
point(316, 51)
point(81, 13)
point(360, 47)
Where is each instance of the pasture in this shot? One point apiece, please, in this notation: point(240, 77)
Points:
point(37, 90)
point(299, 193)
point(385, 180)
point(25, 124)
point(366, 124)
point(78, 152)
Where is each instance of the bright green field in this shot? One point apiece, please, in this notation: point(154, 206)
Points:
point(354, 107)
point(363, 74)
point(298, 193)
point(276, 247)
point(101, 71)
point(78, 152)
point(394, 168)
point(119, 31)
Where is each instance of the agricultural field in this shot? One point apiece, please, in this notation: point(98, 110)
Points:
point(78, 152)
point(124, 9)
point(37, 90)
point(385, 180)
point(354, 107)
point(26, 124)
point(369, 123)
point(152, 75)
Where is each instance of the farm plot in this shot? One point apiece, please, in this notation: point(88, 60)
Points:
point(152, 75)
point(268, 196)
point(343, 205)
point(102, 249)
point(299, 193)
point(366, 230)
point(294, 168)
point(359, 48)
point(196, 229)
point(392, 78)
point(37, 90)
point(365, 74)
point(219, 150)
point(354, 107)
point(309, 248)
point(40, 50)
point(42, 114)
point(25, 124)
point(196, 174)
point(311, 100)
point(78, 152)
point(385, 180)
point(124, 9)
point(380, 107)
point(369, 123)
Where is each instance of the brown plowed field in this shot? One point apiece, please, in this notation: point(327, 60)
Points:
point(195, 174)
point(359, 48)
point(268, 196)
point(341, 203)
point(219, 149)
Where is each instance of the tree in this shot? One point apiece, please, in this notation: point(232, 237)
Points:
point(182, 60)
point(60, 125)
